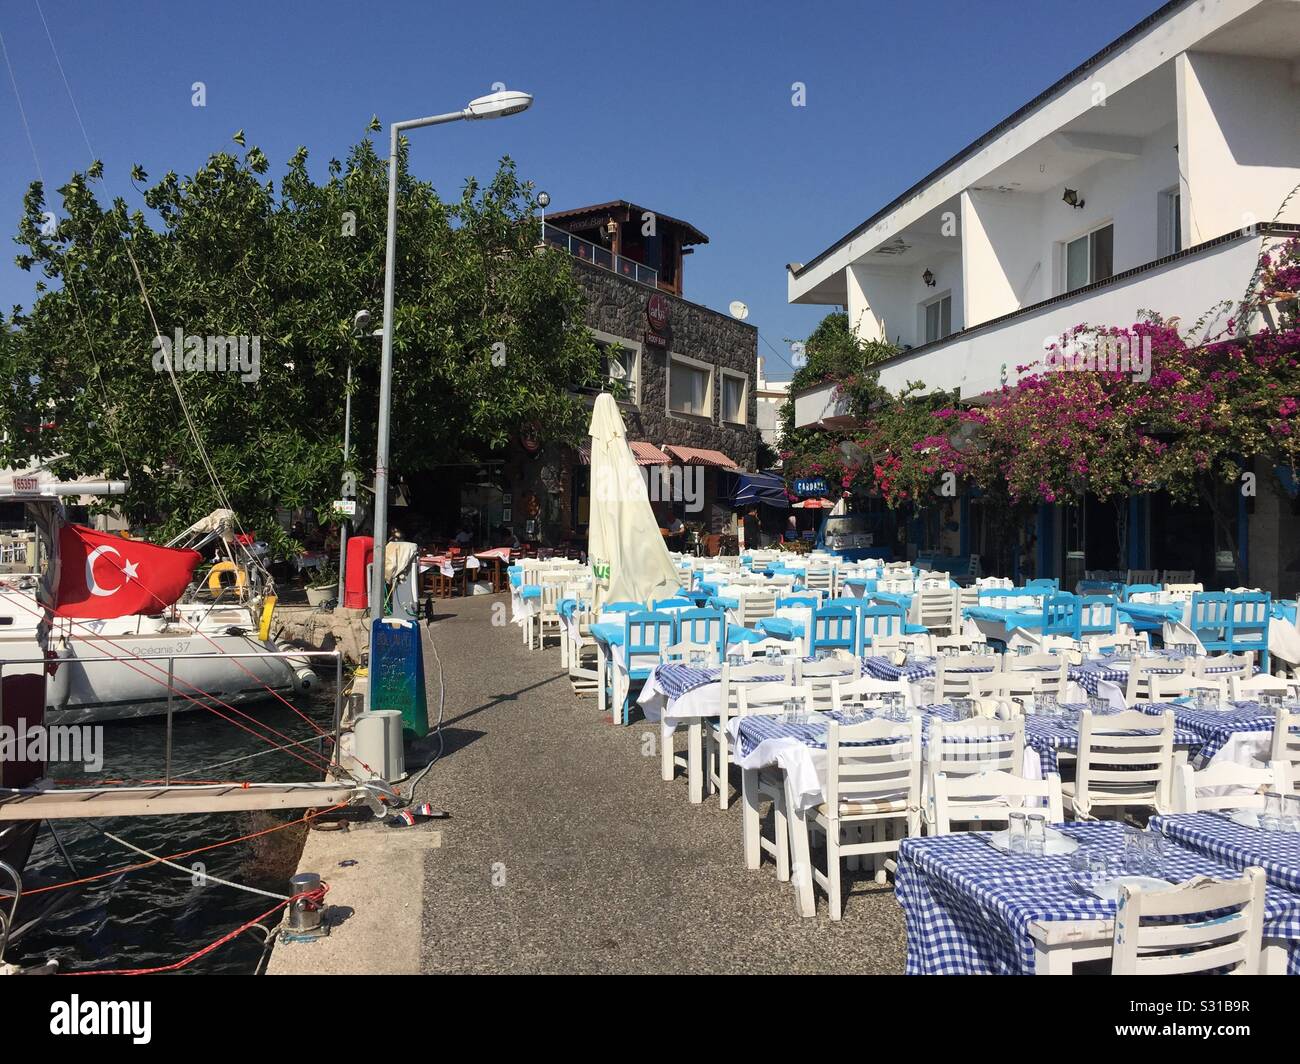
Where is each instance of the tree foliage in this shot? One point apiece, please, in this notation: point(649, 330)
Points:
point(487, 337)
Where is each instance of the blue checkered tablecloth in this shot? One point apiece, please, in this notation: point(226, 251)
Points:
point(676, 680)
point(968, 907)
point(1214, 727)
point(1277, 852)
point(1108, 668)
point(756, 729)
point(884, 669)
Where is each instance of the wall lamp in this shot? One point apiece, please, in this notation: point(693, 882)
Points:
point(1071, 196)
point(928, 278)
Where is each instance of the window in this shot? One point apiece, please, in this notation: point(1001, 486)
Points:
point(1090, 258)
point(938, 318)
point(1169, 223)
point(620, 366)
point(735, 396)
point(690, 387)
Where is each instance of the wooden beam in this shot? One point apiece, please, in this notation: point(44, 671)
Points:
point(84, 803)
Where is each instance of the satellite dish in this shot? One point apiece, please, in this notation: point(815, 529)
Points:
point(738, 310)
point(798, 355)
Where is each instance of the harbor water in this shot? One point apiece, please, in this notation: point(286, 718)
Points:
point(158, 915)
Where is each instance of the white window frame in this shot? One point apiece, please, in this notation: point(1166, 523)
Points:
point(635, 346)
point(695, 363)
point(1169, 237)
point(1064, 257)
point(744, 396)
point(923, 309)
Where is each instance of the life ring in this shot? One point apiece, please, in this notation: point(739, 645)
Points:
point(214, 576)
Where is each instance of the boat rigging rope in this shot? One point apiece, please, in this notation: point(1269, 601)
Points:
point(305, 819)
point(205, 877)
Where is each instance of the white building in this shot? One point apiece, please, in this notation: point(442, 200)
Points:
point(771, 396)
point(1149, 178)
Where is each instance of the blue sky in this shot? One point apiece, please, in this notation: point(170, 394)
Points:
point(684, 107)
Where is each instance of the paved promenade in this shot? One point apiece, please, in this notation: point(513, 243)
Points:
point(565, 852)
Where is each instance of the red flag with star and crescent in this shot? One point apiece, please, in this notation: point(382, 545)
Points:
point(103, 575)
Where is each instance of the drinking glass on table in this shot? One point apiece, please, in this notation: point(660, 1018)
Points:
point(928, 692)
point(1017, 824)
point(1097, 705)
point(735, 660)
point(1135, 847)
point(1270, 817)
point(1036, 835)
point(1290, 820)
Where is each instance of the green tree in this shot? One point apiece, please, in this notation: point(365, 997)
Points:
point(487, 337)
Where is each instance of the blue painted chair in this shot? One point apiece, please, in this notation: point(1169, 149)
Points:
point(645, 635)
point(1061, 615)
point(704, 627)
point(1097, 615)
point(1248, 619)
point(877, 621)
point(1209, 618)
point(833, 628)
point(1046, 582)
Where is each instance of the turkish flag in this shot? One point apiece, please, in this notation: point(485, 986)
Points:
point(102, 575)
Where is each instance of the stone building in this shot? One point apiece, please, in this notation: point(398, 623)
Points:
point(686, 377)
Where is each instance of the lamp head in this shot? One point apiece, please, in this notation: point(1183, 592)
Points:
point(499, 104)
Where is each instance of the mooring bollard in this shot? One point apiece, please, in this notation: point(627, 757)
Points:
point(303, 920)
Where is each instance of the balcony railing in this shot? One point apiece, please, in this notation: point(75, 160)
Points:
point(599, 256)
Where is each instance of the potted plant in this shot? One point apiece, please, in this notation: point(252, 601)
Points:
point(323, 586)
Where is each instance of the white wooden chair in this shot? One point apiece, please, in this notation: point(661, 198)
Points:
point(583, 654)
point(1249, 689)
point(1125, 761)
point(548, 615)
point(682, 650)
point(1226, 665)
point(820, 578)
point(1140, 671)
point(769, 700)
point(1165, 688)
point(760, 648)
point(937, 609)
point(869, 790)
point(889, 644)
point(1228, 786)
point(1151, 939)
point(755, 606)
point(867, 689)
point(1052, 669)
point(963, 643)
point(952, 676)
point(970, 748)
point(1286, 741)
point(717, 742)
point(1011, 689)
point(986, 797)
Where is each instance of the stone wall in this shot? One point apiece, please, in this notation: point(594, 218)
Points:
point(617, 306)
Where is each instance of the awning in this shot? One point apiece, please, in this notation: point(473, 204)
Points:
point(700, 456)
point(646, 454)
point(813, 504)
point(747, 489)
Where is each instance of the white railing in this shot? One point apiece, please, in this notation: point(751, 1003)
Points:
point(599, 256)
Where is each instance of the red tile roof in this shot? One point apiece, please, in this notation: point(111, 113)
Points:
point(700, 456)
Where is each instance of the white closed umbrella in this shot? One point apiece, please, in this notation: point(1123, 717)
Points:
point(626, 551)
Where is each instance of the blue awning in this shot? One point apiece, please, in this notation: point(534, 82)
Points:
point(746, 489)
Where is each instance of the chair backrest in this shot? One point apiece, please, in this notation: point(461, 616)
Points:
point(1164, 687)
point(833, 627)
point(1143, 576)
point(1125, 759)
point(1061, 615)
point(1223, 666)
point(1140, 670)
point(819, 578)
point(1248, 621)
point(1208, 616)
point(1165, 932)
point(1286, 740)
point(877, 620)
point(867, 689)
point(936, 608)
point(1180, 576)
point(1227, 785)
point(1017, 685)
point(1182, 591)
point(876, 765)
point(1249, 688)
point(970, 747)
point(645, 636)
point(682, 650)
point(1097, 615)
point(847, 667)
point(920, 642)
point(991, 797)
point(757, 674)
point(768, 698)
point(707, 626)
point(952, 675)
point(755, 606)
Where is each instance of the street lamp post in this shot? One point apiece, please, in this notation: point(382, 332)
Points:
point(496, 105)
